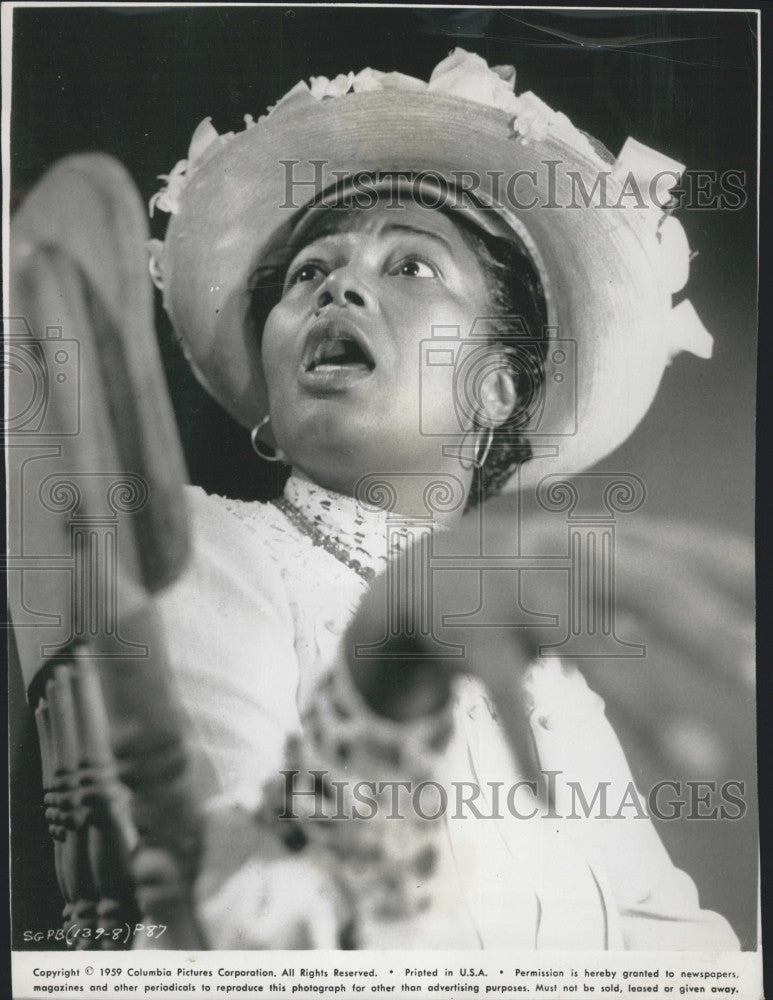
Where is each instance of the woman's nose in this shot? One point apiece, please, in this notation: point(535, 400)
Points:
point(343, 287)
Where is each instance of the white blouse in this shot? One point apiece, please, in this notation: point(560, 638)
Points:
point(253, 631)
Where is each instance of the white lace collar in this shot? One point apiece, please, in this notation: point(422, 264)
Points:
point(342, 519)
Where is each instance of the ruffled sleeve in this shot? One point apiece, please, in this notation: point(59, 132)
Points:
point(279, 870)
point(229, 638)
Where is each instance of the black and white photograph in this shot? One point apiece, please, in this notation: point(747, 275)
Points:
point(380, 460)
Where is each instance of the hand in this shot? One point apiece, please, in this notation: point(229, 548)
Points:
point(253, 894)
point(683, 592)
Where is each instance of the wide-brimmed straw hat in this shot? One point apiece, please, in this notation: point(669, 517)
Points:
point(600, 231)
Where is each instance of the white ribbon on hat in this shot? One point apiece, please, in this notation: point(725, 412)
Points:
point(655, 175)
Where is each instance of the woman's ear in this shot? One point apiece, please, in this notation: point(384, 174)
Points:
point(498, 397)
point(156, 262)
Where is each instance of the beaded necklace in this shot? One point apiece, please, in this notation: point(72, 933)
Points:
point(318, 537)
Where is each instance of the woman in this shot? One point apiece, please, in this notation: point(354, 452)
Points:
point(308, 263)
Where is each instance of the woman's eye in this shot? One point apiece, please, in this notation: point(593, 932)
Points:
point(414, 268)
point(306, 272)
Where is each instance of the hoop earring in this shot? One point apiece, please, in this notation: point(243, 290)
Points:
point(482, 454)
point(256, 443)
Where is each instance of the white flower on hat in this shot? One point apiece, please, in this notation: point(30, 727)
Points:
point(299, 94)
point(204, 136)
point(321, 87)
point(204, 141)
point(531, 125)
point(373, 79)
point(367, 80)
point(465, 74)
point(168, 198)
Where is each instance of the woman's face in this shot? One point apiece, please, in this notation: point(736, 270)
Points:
point(342, 348)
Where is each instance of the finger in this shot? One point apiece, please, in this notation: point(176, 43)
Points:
point(499, 658)
point(413, 674)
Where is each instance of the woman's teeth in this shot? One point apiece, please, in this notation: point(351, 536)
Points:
point(338, 353)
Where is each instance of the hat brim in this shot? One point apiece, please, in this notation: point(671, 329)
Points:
point(608, 308)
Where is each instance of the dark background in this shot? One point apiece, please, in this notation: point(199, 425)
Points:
point(135, 82)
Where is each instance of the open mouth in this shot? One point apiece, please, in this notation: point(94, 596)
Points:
point(339, 352)
point(333, 347)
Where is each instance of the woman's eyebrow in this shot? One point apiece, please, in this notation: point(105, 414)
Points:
point(335, 233)
point(402, 227)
